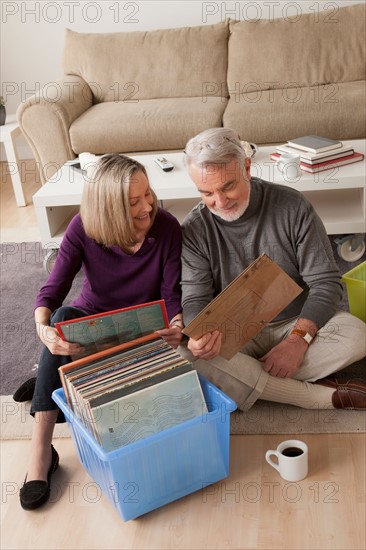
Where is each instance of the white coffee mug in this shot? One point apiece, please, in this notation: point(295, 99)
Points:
point(289, 165)
point(87, 160)
point(292, 456)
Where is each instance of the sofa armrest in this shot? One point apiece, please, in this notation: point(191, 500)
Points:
point(45, 121)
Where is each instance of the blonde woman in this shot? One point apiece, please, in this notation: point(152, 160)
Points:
point(129, 251)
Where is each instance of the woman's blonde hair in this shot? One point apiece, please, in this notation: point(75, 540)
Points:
point(105, 206)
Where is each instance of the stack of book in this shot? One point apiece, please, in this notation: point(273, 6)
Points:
point(318, 153)
point(133, 390)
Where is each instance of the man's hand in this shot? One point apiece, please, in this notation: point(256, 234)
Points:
point(285, 359)
point(207, 347)
point(172, 335)
point(52, 340)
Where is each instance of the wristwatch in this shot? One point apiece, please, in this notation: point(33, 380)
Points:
point(305, 335)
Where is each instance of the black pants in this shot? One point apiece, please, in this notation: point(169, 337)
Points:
point(48, 378)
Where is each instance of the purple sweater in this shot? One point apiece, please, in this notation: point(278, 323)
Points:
point(113, 279)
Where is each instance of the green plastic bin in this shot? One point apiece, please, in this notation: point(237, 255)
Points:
point(355, 280)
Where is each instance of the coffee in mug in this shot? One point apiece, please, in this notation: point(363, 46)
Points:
point(292, 459)
point(292, 451)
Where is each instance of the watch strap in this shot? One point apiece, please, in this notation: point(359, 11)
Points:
point(305, 335)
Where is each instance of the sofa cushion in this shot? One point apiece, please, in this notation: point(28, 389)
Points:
point(302, 51)
point(337, 111)
point(147, 125)
point(148, 65)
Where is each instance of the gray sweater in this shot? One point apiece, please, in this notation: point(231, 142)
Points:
point(279, 221)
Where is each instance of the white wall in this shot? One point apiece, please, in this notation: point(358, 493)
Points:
point(32, 32)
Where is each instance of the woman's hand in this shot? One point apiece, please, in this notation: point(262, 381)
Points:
point(172, 335)
point(50, 337)
point(52, 340)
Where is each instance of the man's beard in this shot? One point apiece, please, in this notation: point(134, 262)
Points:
point(231, 216)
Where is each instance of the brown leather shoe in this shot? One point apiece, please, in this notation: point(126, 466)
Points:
point(348, 394)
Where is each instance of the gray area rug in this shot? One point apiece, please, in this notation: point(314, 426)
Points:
point(22, 275)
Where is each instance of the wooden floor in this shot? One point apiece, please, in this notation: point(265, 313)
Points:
point(252, 508)
point(18, 223)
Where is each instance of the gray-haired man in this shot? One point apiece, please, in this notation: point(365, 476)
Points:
point(238, 219)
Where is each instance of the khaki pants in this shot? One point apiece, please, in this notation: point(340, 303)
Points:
point(337, 344)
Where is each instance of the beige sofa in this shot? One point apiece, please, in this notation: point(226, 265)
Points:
point(271, 80)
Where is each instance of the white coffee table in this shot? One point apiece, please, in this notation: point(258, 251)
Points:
point(338, 195)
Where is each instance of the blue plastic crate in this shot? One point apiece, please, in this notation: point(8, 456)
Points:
point(166, 466)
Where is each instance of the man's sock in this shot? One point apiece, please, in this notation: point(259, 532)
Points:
point(300, 394)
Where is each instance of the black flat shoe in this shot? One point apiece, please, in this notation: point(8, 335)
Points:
point(25, 391)
point(35, 493)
